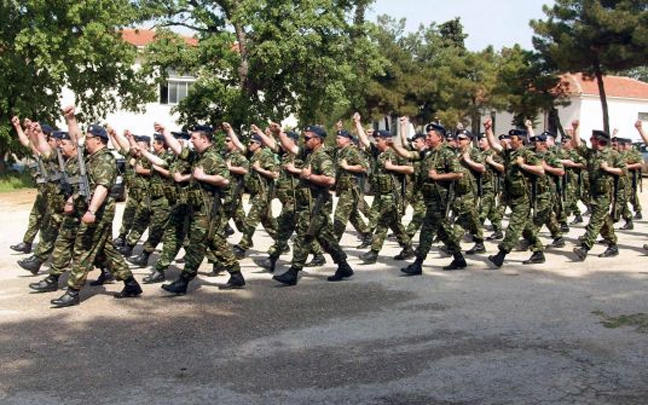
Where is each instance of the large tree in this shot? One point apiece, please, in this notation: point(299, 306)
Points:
point(594, 37)
point(46, 46)
point(266, 58)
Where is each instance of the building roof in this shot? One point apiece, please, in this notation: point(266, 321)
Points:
point(141, 37)
point(615, 86)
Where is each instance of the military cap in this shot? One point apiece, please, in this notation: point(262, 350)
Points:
point(202, 128)
point(47, 130)
point(61, 135)
point(256, 138)
point(625, 141)
point(343, 133)
point(292, 135)
point(539, 138)
point(503, 137)
point(566, 137)
point(381, 133)
point(548, 134)
point(418, 135)
point(142, 138)
point(159, 137)
point(181, 135)
point(600, 135)
point(438, 128)
point(481, 135)
point(317, 130)
point(450, 136)
point(98, 131)
point(465, 133)
point(518, 132)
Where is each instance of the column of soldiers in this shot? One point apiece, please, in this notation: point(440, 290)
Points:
point(185, 192)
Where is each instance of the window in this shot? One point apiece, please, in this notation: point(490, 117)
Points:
point(174, 91)
point(642, 116)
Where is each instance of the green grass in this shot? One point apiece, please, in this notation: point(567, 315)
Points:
point(11, 181)
point(639, 321)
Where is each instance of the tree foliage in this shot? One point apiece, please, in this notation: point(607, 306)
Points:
point(48, 45)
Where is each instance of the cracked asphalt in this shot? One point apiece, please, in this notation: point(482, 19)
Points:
point(519, 335)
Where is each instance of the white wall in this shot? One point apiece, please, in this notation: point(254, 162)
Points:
point(623, 115)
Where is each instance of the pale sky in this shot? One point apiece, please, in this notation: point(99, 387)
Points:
point(491, 22)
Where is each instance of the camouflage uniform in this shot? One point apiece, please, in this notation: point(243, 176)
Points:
point(466, 194)
point(547, 191)
point(233, 202)
point(136, 191)
point(38, 208)
point(285, 191)
point(573, 180)
point(144, 211)
point(490, 192)
point(348, 193)
point(634, 178)
point(53, 216)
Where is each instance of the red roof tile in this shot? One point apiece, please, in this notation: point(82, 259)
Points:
point(615, 86)
point(143, 37)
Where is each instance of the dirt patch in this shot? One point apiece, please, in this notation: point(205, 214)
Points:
point(17, 198)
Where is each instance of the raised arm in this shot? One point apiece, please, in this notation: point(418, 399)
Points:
point(171, 141)
point(39, 140)
point(22, 137)
point(576, 137)
point(528, 125)
point(642, 132)
point(362, 136)
point(73, 126)
point(404, 127)
point(267, 140)
point(235, 139)
point(488, 129)
point(286, 143)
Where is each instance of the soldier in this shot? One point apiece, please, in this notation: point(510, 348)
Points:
point(209, 175)
point(387, 196)
point(260, 184)
point(314, 204)
point(238, 166)
point(53, 216)
point(39, 207)
point(438, 171)
point(95, 230)
point(520, 164)
point(490, 187)
point(574, 164)
point(634, 162)
point(622, 185)
point(162, 191)
point(602, 165)
point(414, 197)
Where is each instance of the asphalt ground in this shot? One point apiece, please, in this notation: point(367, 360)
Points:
point(563, 332)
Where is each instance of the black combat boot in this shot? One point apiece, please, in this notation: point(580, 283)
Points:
point(414, 269)
point(478, 248)
point(180, 260)
point(498, 259)
point(645, 246)
point(343, 271)
point(140, 260)
point(228, 230)
point(558, 243)
point(22, 247)
point(581, 253)
point(564, 228)
point(636, 216)
point(31, 264)
point(367, 239)
point(70, 298)
point(239, 252)
point(369, 257)
point(611, 251)
point(120, 240)
point(104, 278)
point(629, 225)
point(578, 219)
point(287, 278)
point(536, 258)
point(523, 245)
point(48, 284)
point(217, 270)
point(156, 276)
point(131, 289)
point(406, 253)
point(235, 282)
point(458, 263)
point(126, 250)
point(178, 287)
point(497, 235)
point(317, 261)
point(285, 250)
point(268, 263)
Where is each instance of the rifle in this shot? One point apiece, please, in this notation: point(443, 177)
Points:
point(450, 196)
point(640, 181)
point(614, 211)
point(66, 186)
point(213, 213)
point(560, 190)
point(480, 189)
point(398, 197)
point(42, 171)
point(317, 207)
point(236, 195)
point(84, 185)
point(534, 194)
point(634, 181)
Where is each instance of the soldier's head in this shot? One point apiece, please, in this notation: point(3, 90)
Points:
point(383, 139)
point(68, 148)
point(566, 142)
point(504, 140)
point(434, 134)
point(464, 139)
point(159, 144)
point(418, 141)
point(517, 137)
point(96, 138)
point(202, 137)
point(540, 142)
point(48, 131)
point(314, 136)
point(551, 138)
point(615, 144)
point(292, 136)
point(483, 141)
point(599, 139)
point(342, 138)
point(256, 143)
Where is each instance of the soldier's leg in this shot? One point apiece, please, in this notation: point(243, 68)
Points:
point(35, 217)
point(49, 232)
point(520, 210)
point(286, 226)
point(374, 213)
point(129, 216)
point(258, 209)
point(141, 221)
point(429, 229)
point(302, 243)
point(386, 209)
point(342, 213)
point(417, 216)
point(636, 203)
point(599, 208)
point(173, 237)
point(63, 248)
point(160, 212)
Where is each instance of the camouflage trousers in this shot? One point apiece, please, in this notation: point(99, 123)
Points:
point(488, 209)
point(465, 209)
point(418, 214)
point(51, 223)
point(63, 248)
point(374, 214)
point(623, 202)
point(571, 200)
point(140, 222)
point(520, 225)
point(199, 245)
point(259, 213)
point(347, 210)
point(435, 223)
point(389, 218)
point(36, 216)
point(93, 244)
point(158, 223)
point(233, 209)
point(129, 215)
point(546, 215)
point(634, 199)
point(322, 233)
point(286, 226)
point(174, 235)
point(600, 221)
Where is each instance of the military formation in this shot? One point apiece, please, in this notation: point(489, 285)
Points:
point(185, 191)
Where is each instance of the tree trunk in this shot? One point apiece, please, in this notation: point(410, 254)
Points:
point(601, 87)
point(244, 69)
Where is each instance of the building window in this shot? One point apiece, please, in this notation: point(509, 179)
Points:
point(174, 91)
point(642, 116)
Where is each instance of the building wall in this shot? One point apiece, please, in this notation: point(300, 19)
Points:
point(623, 115)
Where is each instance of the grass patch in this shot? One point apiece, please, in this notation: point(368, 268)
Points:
point(639, 321)
point(11, 181)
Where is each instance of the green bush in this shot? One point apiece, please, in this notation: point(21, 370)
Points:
point(10, 181)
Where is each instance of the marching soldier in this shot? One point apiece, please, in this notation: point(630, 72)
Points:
point(490, 188)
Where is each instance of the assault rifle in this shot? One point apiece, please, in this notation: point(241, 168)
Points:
point(317, 207)
point(66, 187)
point(84, 185)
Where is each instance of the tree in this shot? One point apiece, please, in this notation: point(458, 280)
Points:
point(48, 46)
point(266, 59)
point(594, 37)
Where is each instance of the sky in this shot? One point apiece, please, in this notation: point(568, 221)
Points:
point(494, 22)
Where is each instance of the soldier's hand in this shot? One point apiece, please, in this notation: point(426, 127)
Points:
point(88, 218)
point(488, 124)
point(226, 126)
point(177, 177)
point(254, 128)
point(465, 156)
point(27, 124)
point(489, 160)
point(388, 164)
point(68, 112)
point(638, 125)
point(519, 161)
point(356, 118)
point(229, 164)
point(291, 167)
point(128, 134)
point(305, 172)
point(256, 166)
point(343, 164)
point(404, 120)
point(432, 173)
point(68, 207)
point(275, 128)
point(528, 124)
point(605, 166)
point(615, 131)
point(15, 121)
point(199, 173)
point(159, 128)
point(575, 124)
